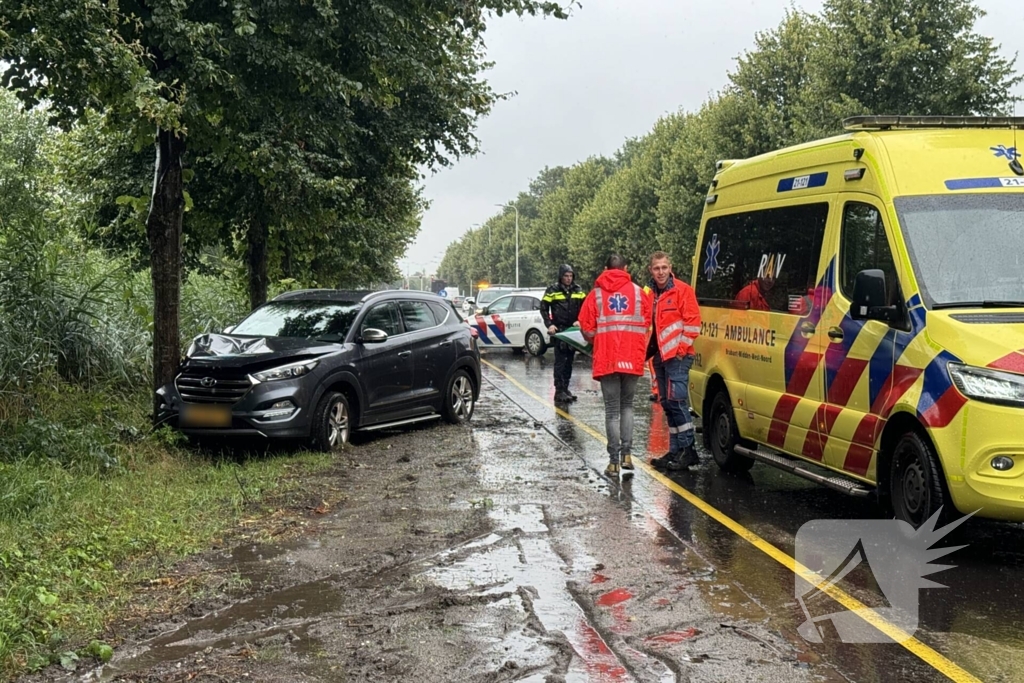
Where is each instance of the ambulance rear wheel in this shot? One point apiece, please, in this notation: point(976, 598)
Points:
point(535, 343)
point(917, 487)
point(725, 435)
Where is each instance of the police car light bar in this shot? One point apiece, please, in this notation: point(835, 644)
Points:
point(888, 122)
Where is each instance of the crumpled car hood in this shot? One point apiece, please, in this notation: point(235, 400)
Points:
point(207, 345)
point(253, 353)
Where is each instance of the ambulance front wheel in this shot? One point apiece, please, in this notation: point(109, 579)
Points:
point(917, 487)
point(535, 343)
point(725, 435)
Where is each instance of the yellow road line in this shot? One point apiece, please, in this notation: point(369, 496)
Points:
point(926, 654)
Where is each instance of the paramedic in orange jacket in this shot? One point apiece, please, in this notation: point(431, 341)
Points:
point(676, 327)
point(616, 318)
point(754, 293)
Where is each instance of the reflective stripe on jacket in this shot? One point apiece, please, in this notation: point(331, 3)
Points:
point(616, 317)
point(676, 319)
point(560, 306)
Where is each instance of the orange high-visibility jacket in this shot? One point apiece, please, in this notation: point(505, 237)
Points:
point(676, 319)
point(616, 316)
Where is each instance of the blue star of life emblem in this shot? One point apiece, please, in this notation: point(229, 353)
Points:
point(1002, 151)
point(618, 303)
point(711, 262)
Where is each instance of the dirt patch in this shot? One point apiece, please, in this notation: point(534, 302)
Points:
point(488, 553)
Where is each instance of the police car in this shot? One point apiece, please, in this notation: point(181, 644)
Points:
point(512, 321)
point(489, 295)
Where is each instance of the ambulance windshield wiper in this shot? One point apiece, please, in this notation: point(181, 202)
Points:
point(980, 304)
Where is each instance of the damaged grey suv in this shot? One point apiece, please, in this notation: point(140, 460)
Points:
point(318, 364)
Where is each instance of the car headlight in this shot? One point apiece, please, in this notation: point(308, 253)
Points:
point(290, 371)
point(991, 386)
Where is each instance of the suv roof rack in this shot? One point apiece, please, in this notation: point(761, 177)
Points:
point(889, 122)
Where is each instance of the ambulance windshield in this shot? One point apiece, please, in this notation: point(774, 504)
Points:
point(967, 250)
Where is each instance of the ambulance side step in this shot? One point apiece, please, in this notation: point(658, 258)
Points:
point(835, 482)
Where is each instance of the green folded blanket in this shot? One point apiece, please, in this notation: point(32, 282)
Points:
point(574, 338)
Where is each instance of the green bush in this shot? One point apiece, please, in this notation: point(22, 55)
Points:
point(82, 448)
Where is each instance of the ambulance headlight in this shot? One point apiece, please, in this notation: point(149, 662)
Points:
point(991, 386)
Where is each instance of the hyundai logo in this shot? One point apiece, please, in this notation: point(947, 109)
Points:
point(208, 382)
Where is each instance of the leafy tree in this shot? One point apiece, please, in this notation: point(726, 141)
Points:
point(27, 173)
point(733, 126)
point(202, 74)
point(773, 79)
point(903, 57)
point(796, 84)
point(623, 214)
point(548, 238)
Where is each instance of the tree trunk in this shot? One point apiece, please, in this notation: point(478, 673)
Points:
point(257, 235)
point(163, 227)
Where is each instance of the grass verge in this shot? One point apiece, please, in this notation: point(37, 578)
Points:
point(92, 508)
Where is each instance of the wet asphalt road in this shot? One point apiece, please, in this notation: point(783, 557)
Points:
point(976, 622)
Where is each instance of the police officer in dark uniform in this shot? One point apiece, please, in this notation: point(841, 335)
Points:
point(560, 308)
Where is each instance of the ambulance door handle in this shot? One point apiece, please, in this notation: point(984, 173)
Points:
point(807, 328)
point(835, 334)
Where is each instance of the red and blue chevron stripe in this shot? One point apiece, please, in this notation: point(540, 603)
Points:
point(497, 328)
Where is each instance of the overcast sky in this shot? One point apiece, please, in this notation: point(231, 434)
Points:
point(585, 85)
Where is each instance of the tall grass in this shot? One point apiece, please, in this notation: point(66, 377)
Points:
point(85, 491)
point(90, 498)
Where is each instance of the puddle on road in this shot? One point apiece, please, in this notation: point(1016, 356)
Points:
point(287, 614)
point(528, 564)
point(527, 518)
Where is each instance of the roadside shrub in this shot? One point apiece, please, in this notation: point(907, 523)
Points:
point(64, 309)
point(209, 303)
point(86, 449)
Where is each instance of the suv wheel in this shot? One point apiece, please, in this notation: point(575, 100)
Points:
point(332, 422)
point(535, 343)
point(459, 401)
point(724, 435)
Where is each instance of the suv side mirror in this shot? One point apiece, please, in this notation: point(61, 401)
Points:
point(229, 329)
point(372, 335)
point(869, 299)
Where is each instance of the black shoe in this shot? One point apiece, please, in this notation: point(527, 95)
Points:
point(572, 396)
point(686, 459)
point(663, 462)
point(563, 396)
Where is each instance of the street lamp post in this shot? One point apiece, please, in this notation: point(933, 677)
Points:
point(516, 209)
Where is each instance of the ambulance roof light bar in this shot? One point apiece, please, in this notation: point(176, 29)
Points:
point(855, 123)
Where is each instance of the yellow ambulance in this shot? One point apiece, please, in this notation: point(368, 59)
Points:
point(863, 311)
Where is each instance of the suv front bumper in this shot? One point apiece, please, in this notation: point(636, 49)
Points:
point(252, 415)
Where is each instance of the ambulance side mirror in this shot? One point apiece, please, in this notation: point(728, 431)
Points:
point(869, 298)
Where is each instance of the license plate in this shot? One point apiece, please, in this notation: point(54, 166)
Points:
point(205, 416)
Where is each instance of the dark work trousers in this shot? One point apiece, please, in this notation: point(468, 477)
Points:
point(673, 389)
point(564, 355)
